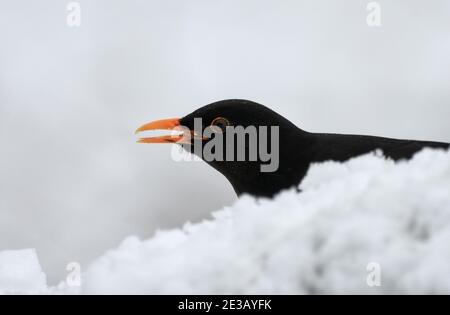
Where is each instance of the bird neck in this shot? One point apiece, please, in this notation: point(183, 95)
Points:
point(247, 177)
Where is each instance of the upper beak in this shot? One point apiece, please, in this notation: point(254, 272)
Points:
point(164, 124)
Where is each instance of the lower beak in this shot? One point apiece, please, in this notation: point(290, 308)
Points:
point(172, 124)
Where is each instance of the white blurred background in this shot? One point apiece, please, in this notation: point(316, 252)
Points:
point(73, 182)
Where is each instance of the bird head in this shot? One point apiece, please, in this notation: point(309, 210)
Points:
point(208, 130)
point(218, 116)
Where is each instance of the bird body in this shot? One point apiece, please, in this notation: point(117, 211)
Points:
point(298, 149)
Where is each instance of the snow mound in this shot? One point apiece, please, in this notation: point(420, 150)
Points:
point(366, 226)
point(20, 272)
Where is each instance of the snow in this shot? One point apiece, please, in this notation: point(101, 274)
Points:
point(20, 272)
point(367, 226)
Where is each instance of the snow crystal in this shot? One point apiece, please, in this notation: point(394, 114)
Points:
point(367, 226)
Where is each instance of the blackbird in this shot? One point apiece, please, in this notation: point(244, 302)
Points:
point(292, 150)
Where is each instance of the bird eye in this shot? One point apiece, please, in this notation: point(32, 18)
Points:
point(220, 122)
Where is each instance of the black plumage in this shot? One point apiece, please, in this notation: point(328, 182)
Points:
point(298, 149)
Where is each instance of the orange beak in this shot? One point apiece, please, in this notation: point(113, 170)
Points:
point(172, 124)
